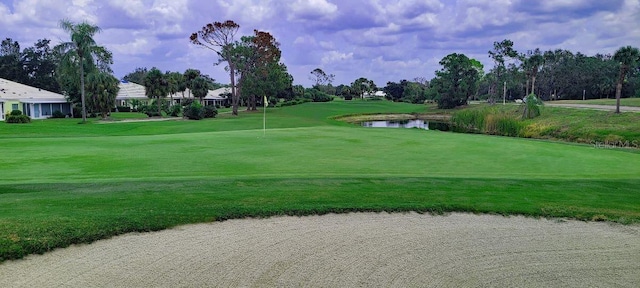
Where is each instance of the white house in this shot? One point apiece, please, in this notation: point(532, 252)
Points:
point(129, 91)
point(33, 102)
point(375, 94)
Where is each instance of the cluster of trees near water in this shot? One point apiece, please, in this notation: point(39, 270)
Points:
point(253, 63)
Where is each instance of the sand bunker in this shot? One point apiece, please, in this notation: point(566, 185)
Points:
point(352, 250)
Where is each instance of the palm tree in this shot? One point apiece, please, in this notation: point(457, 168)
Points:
point(200, 87)
point(156, 86)
point(627, 57)
point(84, 48)
point(175, 82)
point(103, 89)
point(189, 76)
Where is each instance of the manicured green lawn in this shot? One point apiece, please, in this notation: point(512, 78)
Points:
point(635, 102)
point(65, 183)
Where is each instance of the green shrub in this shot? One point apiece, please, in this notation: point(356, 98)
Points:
point(14, 119)
point(531, 107)
point(15, 113)
point(150, 110)
point(450, 103)
point(316, 95)
point(469, 120)
point(194, 111)
point(123, 108)
point(210, 111)
point(58, 114)
point(175, 110)
point(77, 112)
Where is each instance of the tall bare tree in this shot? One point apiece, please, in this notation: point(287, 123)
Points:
point(219, 37)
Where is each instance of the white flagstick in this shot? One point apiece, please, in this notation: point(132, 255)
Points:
point(264, 116)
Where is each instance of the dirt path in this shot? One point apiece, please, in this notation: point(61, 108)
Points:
point(597, 107)
point(353, 250)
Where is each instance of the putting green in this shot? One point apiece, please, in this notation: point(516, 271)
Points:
point(307, 152)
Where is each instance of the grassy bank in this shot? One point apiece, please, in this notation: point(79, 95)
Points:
point(572, 125)
point(65, 183)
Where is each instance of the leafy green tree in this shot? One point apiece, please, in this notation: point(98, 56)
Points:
point(156, 86)
point(257, 60)
point(628, 57)
point(532, 63)
point(502, 51)
point(363, 85)
point(394, 91)
point(219, 37)
point(102, 89)
point(10, 61)
point(83, 53)
point(414, 92)
point(319, 77)
point(298, 92)
point(137, 76)
point(456, 81)
point(40, 63)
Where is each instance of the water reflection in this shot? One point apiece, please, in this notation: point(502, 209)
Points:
point(420, 124)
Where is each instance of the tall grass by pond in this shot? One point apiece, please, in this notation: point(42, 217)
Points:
point(573, 125)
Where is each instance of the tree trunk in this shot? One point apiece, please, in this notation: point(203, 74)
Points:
point(527, 89)
point(619, 88)
point(533, 84)
point(84, 108)
point(159, 107)
point(234, 94)
point(618, 93)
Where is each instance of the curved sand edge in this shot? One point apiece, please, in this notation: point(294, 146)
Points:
point(362, 249)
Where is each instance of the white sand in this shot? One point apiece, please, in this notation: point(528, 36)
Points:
point(352, 250)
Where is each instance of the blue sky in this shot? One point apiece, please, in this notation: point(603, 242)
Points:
point(382, 40)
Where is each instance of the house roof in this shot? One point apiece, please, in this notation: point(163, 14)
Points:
point(130, 90)
point(14, 91)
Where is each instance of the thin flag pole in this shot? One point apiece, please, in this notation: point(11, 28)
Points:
point(264, 116)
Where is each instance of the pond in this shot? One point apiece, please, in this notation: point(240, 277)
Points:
point(420, 124)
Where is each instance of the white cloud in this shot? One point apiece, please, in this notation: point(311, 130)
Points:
point(139, 46)
point(304, 10)
point(336, 56)
point(249, 11)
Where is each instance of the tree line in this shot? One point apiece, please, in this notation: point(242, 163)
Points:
point(549, 75)
point(255, 70)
